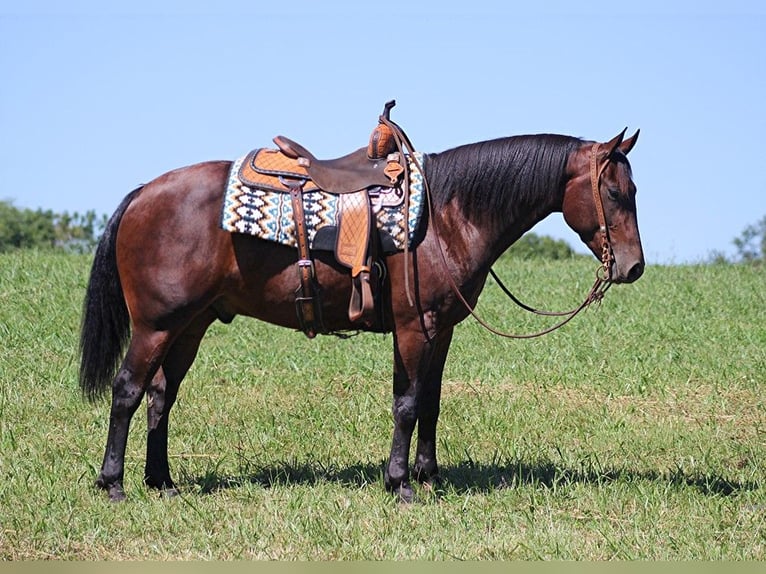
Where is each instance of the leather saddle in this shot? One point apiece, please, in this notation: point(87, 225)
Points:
point(293, 169)
point(274, 168)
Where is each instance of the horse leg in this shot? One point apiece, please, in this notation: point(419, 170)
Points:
point(142, 360)
point(161, 395)
point(426, 469)
point(414, 381)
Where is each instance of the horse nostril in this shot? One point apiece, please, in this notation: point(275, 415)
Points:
point(635, 272)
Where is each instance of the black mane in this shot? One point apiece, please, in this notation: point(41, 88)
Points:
point(496, 178)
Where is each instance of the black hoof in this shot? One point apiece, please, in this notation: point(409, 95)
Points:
point(403, 493)
point(433, 483)
point(427, 476)
point(170, 492)
point(113, 489)
point(116, 494)
point(166, 487)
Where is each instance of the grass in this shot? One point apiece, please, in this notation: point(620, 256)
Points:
point(636, 432)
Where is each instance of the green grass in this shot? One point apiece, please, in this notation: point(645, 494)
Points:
point(636, 432)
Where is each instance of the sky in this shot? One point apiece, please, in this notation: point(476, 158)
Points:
point(98, 97)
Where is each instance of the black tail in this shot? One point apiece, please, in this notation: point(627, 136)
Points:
point(105, 324)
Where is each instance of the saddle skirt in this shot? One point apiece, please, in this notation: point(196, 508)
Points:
point(257, 203)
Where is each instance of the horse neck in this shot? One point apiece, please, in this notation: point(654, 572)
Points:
point(489, 194)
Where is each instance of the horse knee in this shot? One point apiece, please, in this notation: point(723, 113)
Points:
point(126, 393)
point(139, 367)
point(405, 411)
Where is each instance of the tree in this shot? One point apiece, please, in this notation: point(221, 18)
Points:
point(532, 246)
point(25, 229)
point(78, 233)
point(38, 229)
point(751, 244)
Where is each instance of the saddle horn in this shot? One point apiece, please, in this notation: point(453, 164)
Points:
point(382, 140)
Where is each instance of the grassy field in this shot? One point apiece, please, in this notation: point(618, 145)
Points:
point(636, 432)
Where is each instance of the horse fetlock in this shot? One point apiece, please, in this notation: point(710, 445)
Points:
point(392, 478)
point(158, 483)
point(165, 485)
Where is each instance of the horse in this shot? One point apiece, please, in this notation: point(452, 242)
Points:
point(164, 271)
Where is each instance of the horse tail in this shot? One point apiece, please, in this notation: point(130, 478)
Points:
point(105, 324)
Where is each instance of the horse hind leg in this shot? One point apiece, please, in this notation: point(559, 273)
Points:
point(161, 396)
point(141, 362)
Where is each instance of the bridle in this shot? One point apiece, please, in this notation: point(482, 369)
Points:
point(607, 257)
point(603, 272)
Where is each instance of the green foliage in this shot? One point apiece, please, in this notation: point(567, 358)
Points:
point(39, 229)
point(24, 228)
point(750, 247)
point(533, 246)
point(751, 244)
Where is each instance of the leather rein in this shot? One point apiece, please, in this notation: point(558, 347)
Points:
point(603, 272)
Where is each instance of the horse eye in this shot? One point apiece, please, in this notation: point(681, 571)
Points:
point(614, 194)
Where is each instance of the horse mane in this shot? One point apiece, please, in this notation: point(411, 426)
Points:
point(498, 178)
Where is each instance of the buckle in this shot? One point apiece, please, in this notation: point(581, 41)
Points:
point(306, 263)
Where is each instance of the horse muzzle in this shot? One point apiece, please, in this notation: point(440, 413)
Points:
point(626, 270)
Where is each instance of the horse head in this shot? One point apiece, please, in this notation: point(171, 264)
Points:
point(600, 206)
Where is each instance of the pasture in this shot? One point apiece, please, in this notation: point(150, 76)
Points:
point(638, 431)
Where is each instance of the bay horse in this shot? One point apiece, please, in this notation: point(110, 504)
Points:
point(164, 271)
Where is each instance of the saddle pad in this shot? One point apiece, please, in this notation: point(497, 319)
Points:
point(268, 214)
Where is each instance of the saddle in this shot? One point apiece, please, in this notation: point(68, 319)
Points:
point(354, 178)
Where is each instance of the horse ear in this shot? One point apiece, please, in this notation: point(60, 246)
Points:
point(614, 143)
point(628, 144)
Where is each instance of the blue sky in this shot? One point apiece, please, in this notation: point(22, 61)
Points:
point(98, 97)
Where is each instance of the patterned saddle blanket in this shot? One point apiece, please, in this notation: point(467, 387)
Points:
point(268, 213)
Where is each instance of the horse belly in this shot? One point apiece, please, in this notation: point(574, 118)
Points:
point(266, 280)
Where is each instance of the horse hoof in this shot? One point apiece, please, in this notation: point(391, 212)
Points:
point(168, 493)
point(116, 493)
point(166, 487)
point(430, 476)
point(404, 493)
point(433, 485)
point(113, 489)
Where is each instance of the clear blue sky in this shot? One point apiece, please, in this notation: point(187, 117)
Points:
point(97, 97)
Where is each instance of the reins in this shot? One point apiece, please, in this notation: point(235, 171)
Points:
point(596, 292)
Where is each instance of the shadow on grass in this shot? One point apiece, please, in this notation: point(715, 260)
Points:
point(469, 477)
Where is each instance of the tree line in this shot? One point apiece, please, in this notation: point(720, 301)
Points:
point(45, 229)
point(80, 232)
point(750, 245)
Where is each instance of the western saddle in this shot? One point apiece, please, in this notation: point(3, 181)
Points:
point(354, 178)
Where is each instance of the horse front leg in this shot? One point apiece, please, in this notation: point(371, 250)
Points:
point(426, 467)
point(418, 366)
